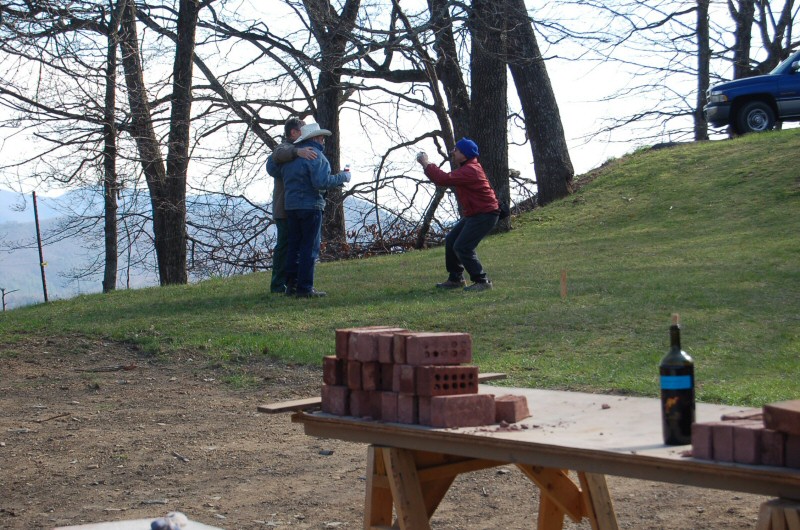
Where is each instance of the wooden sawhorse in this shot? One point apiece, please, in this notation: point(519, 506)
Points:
point(415, 482)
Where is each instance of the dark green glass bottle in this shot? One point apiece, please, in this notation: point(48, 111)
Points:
point(677, 390)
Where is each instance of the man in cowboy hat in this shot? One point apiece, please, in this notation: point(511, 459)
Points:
point(480, 214)
point(286, 152)
point(304, 182)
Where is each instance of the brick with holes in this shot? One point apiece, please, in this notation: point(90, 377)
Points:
point(446, 380)
point(438, 348)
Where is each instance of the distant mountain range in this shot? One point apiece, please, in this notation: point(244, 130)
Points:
point(20, 273)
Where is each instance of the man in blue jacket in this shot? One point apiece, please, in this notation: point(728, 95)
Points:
point(304, 182)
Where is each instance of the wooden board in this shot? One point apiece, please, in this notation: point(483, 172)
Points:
point(592, 433)
point(314, 403)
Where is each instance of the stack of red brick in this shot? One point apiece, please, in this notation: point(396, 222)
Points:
point(770, 437)
point(395, 375)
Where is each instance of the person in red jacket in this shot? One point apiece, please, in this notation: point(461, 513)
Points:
point(480, 211)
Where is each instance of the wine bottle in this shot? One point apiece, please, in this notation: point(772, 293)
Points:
point(677, 390)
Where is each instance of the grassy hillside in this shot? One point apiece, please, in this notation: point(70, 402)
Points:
point(707, 230)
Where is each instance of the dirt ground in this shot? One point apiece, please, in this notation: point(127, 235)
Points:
point(82, 440)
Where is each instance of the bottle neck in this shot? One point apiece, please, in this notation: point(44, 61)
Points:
point(675, 336)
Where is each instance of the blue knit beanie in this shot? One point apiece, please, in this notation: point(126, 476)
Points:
point(468, 148)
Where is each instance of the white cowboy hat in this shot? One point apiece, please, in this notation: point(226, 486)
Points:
point(310, 130)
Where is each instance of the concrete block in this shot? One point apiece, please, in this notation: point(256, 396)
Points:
point(370, 376)
point(445, 380)
point(438, 348)
point(407, 411)
point(511, 409)
point(334, 371)
point(702, 441)
point(783, 416)
point(336, 400)
point(466, 410)
point(353, 375)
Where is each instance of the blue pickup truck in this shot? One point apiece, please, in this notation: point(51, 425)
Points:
point(754, 104)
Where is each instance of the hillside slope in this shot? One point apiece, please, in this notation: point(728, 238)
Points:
point(705, 230)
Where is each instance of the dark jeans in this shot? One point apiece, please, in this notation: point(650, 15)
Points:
point(460, 245)
point(278, 283)
point(303, 248)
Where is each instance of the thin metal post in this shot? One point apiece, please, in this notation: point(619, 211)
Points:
point(39, 244)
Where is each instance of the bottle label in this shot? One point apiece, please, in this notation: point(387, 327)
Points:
point(676, 382)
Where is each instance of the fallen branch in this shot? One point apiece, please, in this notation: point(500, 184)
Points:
point(53, 417)
point(115, 368)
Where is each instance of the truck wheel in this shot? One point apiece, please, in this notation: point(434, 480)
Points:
point(755, 116)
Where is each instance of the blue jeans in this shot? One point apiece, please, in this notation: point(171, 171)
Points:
point(460, 245)
point(303, 248)
point(278, 283)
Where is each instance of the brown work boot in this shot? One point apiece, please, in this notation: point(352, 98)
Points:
point(480, 286)
point(451, 284)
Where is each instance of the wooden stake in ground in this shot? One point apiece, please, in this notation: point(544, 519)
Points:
point(563, 283)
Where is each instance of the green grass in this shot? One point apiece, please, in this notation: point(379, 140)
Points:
point(707, 230)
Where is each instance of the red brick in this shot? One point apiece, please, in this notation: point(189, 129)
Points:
point(446, 380)
point(722, 436)
point(747, 414)
point(783, 416)
point(510, 409)
point(702, 440)
point(385, 347)
point(792, 458)
point(336, 400)
point(364, 343)
point(334, 370)
point(387, 377)
point(468, 410)
point(406, 378)
point(399, 346)
point(424, 410)
point(747, 439)
point(407, 408)
point(361, 403)
point(343, 339)
point(388, 406)
point(773, 448)
point(438, 348)
point(370, 376)
point(354, 375)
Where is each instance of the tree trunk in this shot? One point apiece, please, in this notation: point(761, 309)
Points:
point(330, 31)
point(110, 185)
point(703, 68)
point(489, 106)
point(743, 17)
point(167, 186)
point(551, 159)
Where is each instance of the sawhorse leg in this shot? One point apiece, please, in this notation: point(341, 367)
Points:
point(779, 514)
point(413, 483)
point(560, 496)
